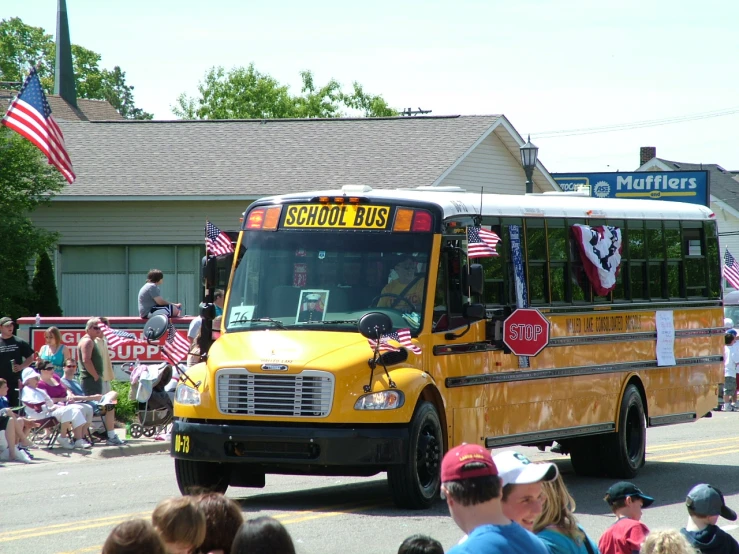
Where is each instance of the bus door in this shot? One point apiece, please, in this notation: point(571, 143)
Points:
point(460, 352)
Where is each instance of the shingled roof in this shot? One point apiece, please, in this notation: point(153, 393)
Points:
point(724, 184)
point(88, 110)
point(254, 158)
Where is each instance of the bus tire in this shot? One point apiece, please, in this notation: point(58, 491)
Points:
point(585, 455)
point(624, 451)
point(415, 484)
point(192, 476)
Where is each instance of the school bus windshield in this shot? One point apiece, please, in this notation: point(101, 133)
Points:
point(327, 280)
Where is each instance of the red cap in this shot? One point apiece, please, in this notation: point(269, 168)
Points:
point(453, 466)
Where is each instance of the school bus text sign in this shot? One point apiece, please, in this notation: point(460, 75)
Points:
point(526, 332)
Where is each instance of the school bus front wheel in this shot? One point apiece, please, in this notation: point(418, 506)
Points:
point(415, 483)
point(196, 475)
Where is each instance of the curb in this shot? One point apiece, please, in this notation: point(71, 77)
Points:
point(130, 450)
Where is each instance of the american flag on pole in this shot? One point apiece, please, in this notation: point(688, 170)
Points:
point(401, 336)
point(116, 337)
point(481, 243)
point(30, 116)
point(217, 242)
point(176, 346)
point(731, 269)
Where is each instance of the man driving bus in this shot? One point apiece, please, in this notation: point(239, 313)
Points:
point(406, 292)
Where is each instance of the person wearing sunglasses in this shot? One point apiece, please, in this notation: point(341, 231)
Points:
point(91, 361)
point(97, 403)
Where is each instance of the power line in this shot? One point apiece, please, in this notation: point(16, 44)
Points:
point(637, 124)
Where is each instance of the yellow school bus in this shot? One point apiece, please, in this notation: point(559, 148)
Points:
point(369, 331)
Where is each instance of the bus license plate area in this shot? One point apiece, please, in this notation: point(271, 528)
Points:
point(181, 444)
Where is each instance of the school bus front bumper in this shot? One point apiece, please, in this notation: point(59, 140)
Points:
point(284, 448)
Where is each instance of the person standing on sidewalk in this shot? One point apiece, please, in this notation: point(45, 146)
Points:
point(729, 372)
point(15, 356)
point(102, 345)
point(91, 362)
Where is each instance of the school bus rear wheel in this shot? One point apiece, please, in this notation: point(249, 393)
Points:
point(415, 484)
point(624, 451)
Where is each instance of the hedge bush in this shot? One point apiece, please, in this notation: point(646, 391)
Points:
point(126, 408)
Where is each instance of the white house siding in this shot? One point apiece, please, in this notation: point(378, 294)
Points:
point(490, 166)
point(147, 222)
point(106, 248)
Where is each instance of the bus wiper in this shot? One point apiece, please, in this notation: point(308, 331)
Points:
point(336, 321)
point(278, 324)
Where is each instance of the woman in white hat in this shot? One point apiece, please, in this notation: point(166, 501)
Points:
point(39, 405)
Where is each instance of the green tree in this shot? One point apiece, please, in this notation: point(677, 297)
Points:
point(43, 287)
point(245, 93)
point(26, 181)
point(22, 45)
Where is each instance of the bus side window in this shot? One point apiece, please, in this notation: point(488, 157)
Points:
point(448, 300)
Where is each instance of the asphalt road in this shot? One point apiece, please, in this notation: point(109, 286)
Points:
point(69, 503)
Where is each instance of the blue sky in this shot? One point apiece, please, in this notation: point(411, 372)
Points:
point(547, 65)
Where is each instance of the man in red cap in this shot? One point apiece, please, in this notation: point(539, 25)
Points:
point(472, 489)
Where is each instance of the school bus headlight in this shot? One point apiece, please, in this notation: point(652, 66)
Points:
point(187, 395)
point(383, 400)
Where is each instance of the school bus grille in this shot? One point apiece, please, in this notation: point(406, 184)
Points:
point(306, 394)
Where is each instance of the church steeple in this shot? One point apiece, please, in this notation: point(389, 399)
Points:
point(63, 70)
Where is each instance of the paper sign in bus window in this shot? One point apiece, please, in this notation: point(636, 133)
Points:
point(240, 314)
point(312, 306)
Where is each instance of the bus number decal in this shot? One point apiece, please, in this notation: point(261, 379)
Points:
point(182, 443)
point(346, 216)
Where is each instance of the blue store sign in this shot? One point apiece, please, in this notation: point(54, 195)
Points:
point(676, 186)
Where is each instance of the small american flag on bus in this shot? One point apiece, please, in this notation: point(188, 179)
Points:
point(401, 336)
point(481, 243)
point(731, 269)
point(217, 242)
point(176, 346)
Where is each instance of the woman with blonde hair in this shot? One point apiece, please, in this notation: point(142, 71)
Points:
point(666, 541)
point(557, 526)
point(54, 350)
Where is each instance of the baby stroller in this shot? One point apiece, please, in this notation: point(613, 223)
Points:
point(155, 410)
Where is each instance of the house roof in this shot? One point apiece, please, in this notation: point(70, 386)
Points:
point(87, 110)
point(724, 183)
point(255, 158)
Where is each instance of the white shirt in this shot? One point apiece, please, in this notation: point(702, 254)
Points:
point(36, 397)
point(195, 324)
point(729, 361)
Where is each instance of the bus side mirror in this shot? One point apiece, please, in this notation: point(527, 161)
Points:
point(210, 273)
point(474, 279)
point(473, 312)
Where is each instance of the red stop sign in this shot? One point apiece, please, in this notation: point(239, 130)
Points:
point(526, 332)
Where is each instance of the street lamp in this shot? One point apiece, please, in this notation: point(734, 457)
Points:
point(528, 159)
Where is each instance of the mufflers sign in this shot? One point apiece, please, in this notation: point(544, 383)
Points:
point(676, 186)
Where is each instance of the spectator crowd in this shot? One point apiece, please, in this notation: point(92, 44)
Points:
point(504, 504)
point(41, 396)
